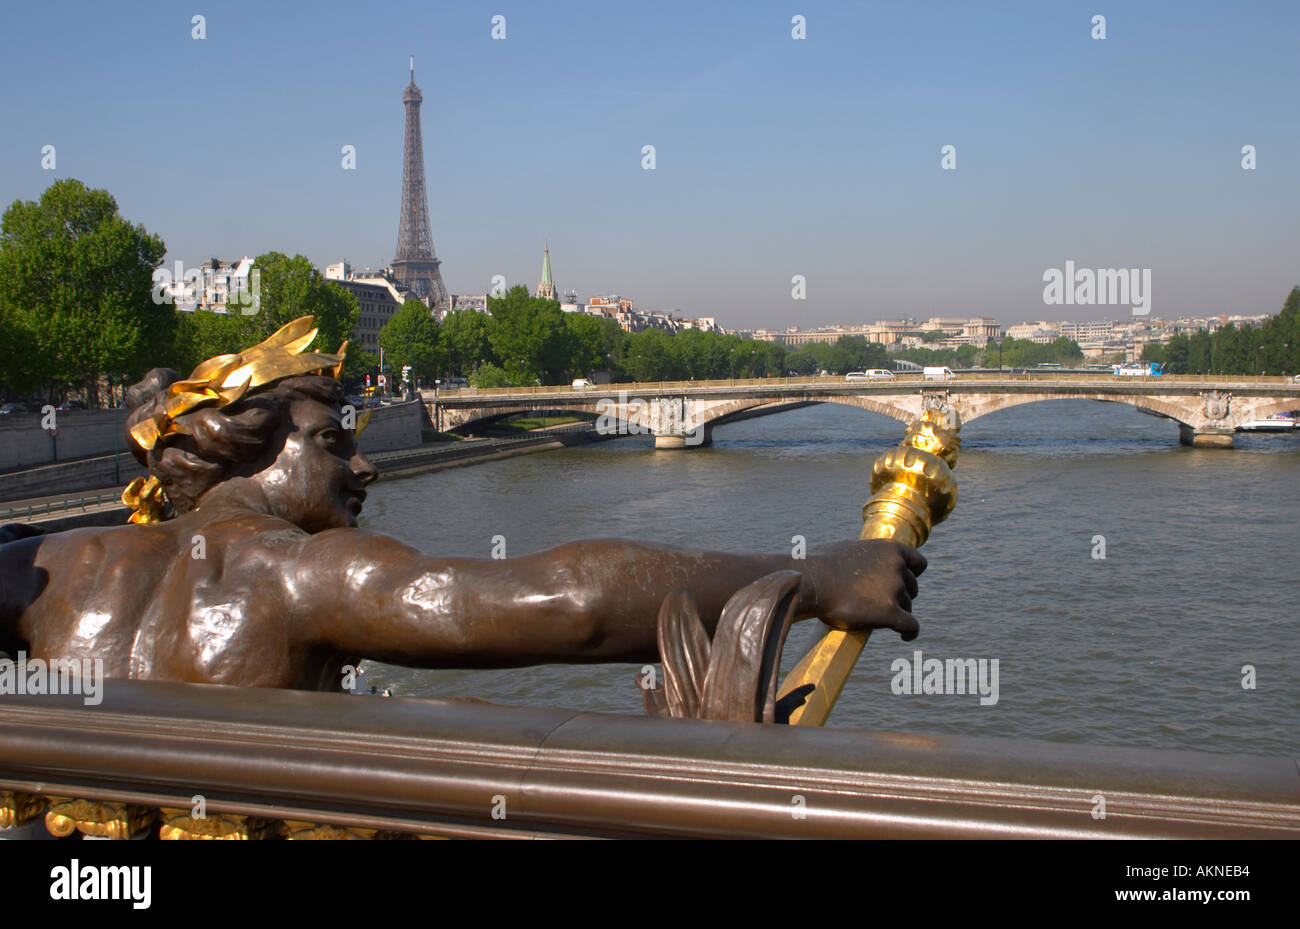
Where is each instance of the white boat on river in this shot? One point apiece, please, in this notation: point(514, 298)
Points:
point(1278, 422)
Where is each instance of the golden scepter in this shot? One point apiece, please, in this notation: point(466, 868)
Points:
point(912, 489)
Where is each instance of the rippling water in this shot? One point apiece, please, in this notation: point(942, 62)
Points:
point(1143, 648)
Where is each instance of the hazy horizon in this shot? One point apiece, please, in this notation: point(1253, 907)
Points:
point(775, 157)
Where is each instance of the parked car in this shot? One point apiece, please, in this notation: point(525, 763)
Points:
point(880, 374)
point(67, 405)
point(12, 408)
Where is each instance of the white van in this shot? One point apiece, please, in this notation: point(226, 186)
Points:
point(880, 374)
point(581, 383)
point(939, 374)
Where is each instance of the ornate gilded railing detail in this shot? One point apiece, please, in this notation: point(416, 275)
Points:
point(298, 830)
point(179, 825)
point(17, 809)
point(913, 489)
point(111, 820)
point(91, 817)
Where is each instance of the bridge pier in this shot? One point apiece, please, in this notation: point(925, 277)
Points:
point(1210, 437)
point(701, 437)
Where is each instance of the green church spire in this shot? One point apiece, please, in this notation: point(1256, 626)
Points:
point(546, 287)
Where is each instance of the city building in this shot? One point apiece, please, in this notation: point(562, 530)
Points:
point(457, 302)
point(216, 286)
point(793, 337)
point(889, 332)
point(378, 294)
point(1041, 332)
point(1094, 331)
point(981, 330)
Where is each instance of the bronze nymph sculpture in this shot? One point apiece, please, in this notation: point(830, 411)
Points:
point(259, 576)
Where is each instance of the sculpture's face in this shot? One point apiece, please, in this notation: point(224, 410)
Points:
point(318, 480)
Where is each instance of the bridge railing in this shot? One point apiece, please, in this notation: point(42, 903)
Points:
point(51, 507)
point(916, 378)
point(274, 762)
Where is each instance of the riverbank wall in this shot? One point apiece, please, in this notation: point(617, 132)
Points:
point(103, 508)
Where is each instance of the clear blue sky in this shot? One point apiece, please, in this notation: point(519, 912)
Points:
point(775, 157)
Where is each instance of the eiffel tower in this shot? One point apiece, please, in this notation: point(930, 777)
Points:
point(415, 265)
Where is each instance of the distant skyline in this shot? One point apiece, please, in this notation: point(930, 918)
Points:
point(774, 156)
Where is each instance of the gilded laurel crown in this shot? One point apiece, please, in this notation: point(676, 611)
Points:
point(222, 380)
point(219, 382)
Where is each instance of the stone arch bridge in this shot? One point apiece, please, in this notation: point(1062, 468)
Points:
point(683, 414)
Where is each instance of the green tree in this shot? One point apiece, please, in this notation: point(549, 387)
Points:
point(465, 337)
point(1198, 352)
point(1177, 351)
point(1154, 351)
point(652, 355)
point(616, 340)
point(855, 353)
point(1232, 350)
point(287, 288)
point(802, 362)
point(489, 375)
point(410, 337)
point(587, 344)
point(76, 282)
point(528, 334)
point(822, 355)
point(1280, 340)
point(292, 287)
point(771, 359)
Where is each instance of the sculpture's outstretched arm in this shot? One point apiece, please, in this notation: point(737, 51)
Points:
point(581, 602)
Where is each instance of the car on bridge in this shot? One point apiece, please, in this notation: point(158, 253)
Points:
point(857, 376)
point(581, 383)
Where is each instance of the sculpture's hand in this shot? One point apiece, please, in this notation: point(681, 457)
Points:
point(867, 585)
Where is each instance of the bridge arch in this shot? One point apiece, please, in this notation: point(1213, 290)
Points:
point(451, 420)
point(872, 404)
point(973, 410)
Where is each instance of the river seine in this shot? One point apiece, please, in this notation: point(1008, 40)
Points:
point(1198, 592)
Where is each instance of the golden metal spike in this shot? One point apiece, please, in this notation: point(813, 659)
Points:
point(912, 490)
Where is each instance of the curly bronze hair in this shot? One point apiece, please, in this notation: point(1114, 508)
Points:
point(231, 441)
